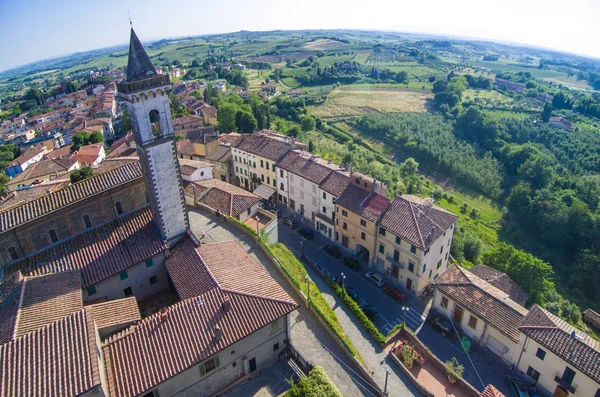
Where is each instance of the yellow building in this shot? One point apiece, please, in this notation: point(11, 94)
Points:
point(357, 212)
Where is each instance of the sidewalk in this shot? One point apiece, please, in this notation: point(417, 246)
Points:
point(307, 333)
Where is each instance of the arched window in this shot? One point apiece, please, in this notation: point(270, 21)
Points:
point(14, 255)
point(53, 235)
point(155, 123)
point(201, 173)
point(87, 221)
point(119, 208)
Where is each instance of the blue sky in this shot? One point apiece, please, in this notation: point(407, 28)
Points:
point(35, 29)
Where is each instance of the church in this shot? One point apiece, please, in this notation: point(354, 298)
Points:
point(76, 261)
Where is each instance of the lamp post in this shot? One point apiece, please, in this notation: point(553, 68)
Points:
point(308, 280)
point(302, 248)
point(257, 219)
point(343, 281)
point(387, 373)
point(405, 309)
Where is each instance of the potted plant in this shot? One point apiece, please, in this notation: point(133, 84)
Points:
point(454, 370)
point(407, 356)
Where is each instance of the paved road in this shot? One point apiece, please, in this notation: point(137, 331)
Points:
point(390, 312)
point(308, 335)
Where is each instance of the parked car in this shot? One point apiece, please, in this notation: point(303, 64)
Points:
point(333, 251)
point(517, 388)
point(351, 263)
point(376, 278)
point(394, 292)
point(370, 311)
point(352, 294)
point(288, 222)
point(306, 232)
point(442, 325)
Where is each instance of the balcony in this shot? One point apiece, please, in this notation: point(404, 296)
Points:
point(394, 262)
point(565, 383)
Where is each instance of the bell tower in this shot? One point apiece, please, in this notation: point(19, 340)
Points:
point(146, 94)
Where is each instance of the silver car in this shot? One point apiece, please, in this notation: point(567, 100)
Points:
point(376, 278)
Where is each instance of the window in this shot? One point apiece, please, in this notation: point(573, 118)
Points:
point(249, 211)
point(411, 267)
point(268, 180)
point(473, 322)
point(397, 255)
point(430, 273)
point(123, 275)
point(209, 365)
point(324, 196)
point(363, 236)
point(413, 249)
point(254, 164)
point(398, 241)
point(444, 302)
point(424, 268)
point(276, 347)
point(382, 231)
point(262, 177)
point(363, 223)
point(87, 221)
point(357, 181)
point(262, 164)
point(53, 235)
point(345, 226)
point(344, 213)
point(149, 262)
point(274, 326)
point(441, 249)
point(12, 252)
point(237, 169)
point(446, 256)
point(235, 157)
point(324, 210)
point(155, 123)
point(91, 290)
point(381, 249)
point(153, 280)
point(119, 208)
point(222, 166)
point(540, 354)
point(281, 173)
point(267, 165)
point(274, 182)
point(439, 264)
point(533, 373)
point(128, 292)
point(449, 242)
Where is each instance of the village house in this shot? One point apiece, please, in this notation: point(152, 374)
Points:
point(560, 123)
point(43, 171)
point(299, 176)
point(221, 158)
point(195, 170)
point(501, 281)
point(21, 137)
point(176, 73)
point(357, 211)
point(187, 123)
point(413, 241)
point(255, 158)
point(123, 147)
point(101, 124)
point(116, 74)
point(220, 85)
point(208, 113)
point(329, 191)
point(294, 93)
point(511, 85)
point(21, 163)
point(89, 155)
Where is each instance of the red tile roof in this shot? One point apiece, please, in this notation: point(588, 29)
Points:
point(265, 146)
point(97, 184)
point(64, 151)
point(10, 297)
point(100, 252)
point(367, 204)
point(483, 300)
point(556, 335)
point(185, 147)
point(47, 299)
point(43, 169)
point(491, 391)
point(88, 154)
point(307, 166)
point(120, 311)
point(501, 281)
point(218, 195)
point(31, 193)
point(336, 183)
point(416, 220)
point(189, 166)
point(58, 360)
point(164, 345)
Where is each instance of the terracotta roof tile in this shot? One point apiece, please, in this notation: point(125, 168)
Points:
point(189, 166)
point(221, 154)
point(578, 349)
point(482, 299)
point(417, 221)
point(57, 360)
point(120, 311)
point(501, 281)
point(64, 151)
point(307, 166)
point(10, 297)
point(47, 299)
point(30, 193)
point(218, 195)
point(491, 391)
point(44, 168)
point(265, 146)
point(366, 204)
point(100, 252)
point(44, 205)
point(336, 183)
point(185, 147)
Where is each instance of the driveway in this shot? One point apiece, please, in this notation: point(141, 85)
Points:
point(307, 334)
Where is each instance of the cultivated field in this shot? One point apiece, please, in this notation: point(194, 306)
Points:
point(487, 97)
point(352, 101)
point(322, 44)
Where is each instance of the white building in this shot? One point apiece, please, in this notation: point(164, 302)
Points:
point(195, 170)
point(414, 238)
point(329, 191)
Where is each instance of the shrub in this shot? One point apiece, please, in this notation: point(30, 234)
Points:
point(81, 174)
point(454, 369)
point(437, 194)
point(316, 384)
point(406, 353)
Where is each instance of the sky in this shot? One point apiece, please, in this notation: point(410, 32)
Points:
point(32, 30)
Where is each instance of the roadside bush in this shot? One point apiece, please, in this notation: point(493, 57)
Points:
point(316, 384)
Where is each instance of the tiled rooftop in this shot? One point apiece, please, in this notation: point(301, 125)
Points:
point(218, 195)
point(501, 281)
point(265, 146)
point(307, 166)
point(120, 311)
point(366, 204)
point(336, 183)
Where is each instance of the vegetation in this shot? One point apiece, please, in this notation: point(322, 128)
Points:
point(81, 174)
point(85, 138)
point(454, 369)
point(316, 384)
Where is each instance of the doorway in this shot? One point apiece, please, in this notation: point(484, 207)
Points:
point(362, 253)
point(408, 284)
point(395, 271)
point(252, 364)
point(560, 392)
point(458, 314)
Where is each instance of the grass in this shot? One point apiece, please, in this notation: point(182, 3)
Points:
point(290, 82)
point(361, 100)
point(569, 82)
point(296, 271)
point(489, 97)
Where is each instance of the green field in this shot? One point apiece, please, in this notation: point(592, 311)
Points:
point(487, 97)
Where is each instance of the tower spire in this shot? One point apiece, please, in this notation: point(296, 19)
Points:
point(139, 66)
point(130, 22)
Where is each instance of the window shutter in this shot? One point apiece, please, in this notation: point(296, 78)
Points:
point(202, 370)
point(216, 359)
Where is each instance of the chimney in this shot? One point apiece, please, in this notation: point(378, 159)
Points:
point(218, 333)
point(164, 314)
point(226, 305)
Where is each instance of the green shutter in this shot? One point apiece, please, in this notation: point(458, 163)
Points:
point(216, 361)
point(202, 369)
point(123, 275)
point(91, 290)
point(149, 262)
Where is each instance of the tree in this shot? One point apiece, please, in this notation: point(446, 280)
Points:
point(409, 167)
point(547, 112)
point(401, 77)
point(81, 174)
point(125, 121)
point(308, 123)
point(245, 122)
point(179, 137)
point(473, 247)
point(71, 87)
point(83, 138)
point(226, 117)
point(95, 137)
point(293, 131)
point(531, 273)
point(311, 146)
